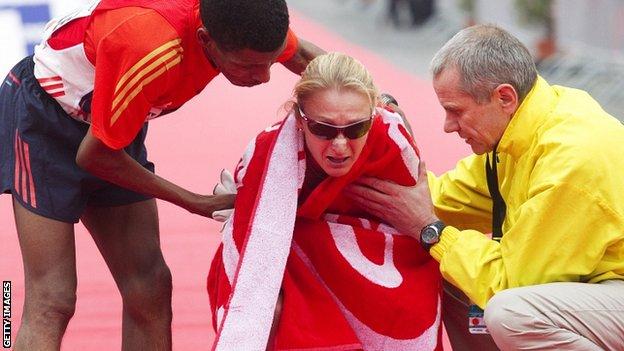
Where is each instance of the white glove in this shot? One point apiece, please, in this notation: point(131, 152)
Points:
point(225, 186)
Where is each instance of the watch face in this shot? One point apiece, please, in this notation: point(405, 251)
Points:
point(430, 236)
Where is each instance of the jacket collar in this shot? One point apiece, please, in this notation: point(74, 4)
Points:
point(526, 121)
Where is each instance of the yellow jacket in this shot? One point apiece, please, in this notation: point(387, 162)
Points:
point(561, 173)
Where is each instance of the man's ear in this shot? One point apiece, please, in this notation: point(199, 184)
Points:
point(507, 96)
point(204, 38)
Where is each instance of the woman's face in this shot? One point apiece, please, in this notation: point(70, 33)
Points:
point(337, 108)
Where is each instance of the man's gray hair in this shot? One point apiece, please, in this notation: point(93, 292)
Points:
point(487, 56)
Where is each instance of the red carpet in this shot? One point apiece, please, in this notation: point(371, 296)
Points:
point(190, 147)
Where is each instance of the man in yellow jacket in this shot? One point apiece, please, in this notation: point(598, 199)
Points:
point(546, 179)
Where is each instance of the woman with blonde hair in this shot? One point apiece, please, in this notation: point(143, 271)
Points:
point(301, 267)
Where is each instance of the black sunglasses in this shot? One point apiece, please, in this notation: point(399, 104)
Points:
point(328, 132)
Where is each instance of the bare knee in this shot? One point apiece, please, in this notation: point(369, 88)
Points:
point(49, 306)
point(147, 296)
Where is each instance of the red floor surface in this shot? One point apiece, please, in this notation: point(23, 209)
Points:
point(190, 147)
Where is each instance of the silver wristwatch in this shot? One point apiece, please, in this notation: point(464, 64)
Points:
point(430, 234)
point(388, 99)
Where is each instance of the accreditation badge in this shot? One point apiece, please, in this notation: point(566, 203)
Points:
point(476, 322)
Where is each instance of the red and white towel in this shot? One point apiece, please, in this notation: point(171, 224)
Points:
point(348, 281)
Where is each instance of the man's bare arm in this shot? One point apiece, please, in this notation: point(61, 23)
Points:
point(306, 52)
point(117, 167)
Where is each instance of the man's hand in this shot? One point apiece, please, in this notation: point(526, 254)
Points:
point(206, 205)
point(407, 209)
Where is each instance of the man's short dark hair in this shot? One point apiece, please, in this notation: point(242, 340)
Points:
point(259, 25)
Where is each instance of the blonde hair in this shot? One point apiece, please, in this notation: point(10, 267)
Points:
point(338, 71)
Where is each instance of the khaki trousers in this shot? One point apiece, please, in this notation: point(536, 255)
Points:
point(559, 316)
